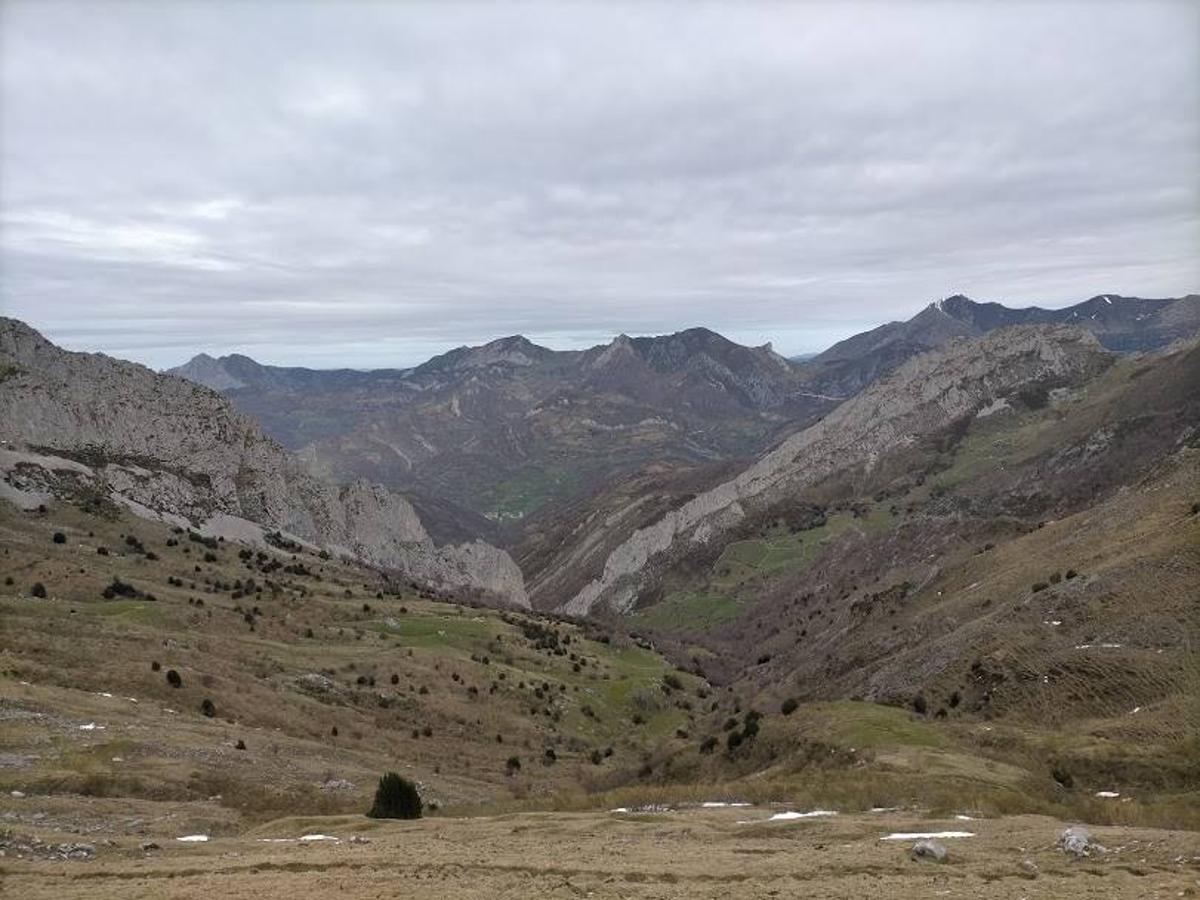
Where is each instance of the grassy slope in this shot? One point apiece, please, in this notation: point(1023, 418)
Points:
point(1092, 679)
point(467, 674)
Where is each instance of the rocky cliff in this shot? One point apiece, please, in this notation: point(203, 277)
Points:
point(169, 447)
point(927, 393)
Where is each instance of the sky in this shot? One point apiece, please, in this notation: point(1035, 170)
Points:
point(368, 184)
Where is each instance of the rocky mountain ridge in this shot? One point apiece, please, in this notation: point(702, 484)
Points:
point(1122, 324)
point(167, 447)
point(484, 437)
point(925, 394)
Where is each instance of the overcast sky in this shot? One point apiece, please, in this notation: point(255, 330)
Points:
point(366, 185)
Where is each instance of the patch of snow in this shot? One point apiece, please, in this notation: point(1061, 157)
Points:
point(1136, 709)
point(790, 816)
point(91, 726)
point(917, 835)
point(879, 809)
point(193, 838)
point(104, 694)
point(620, 809)
point(721, 804)
point(319, 837)
point(1053, 622)
point(963, 818)
point(1108, 795)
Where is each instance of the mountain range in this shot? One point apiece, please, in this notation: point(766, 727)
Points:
point(974, 577)
point(505, 440)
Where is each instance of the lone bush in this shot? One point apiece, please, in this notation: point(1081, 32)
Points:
point(396, 798)
point(38, 589)
point(207, 708)
point(790, 705)
point(59, 538)
point(174, 679)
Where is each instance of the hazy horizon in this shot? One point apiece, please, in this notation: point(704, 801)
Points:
point(372, 184)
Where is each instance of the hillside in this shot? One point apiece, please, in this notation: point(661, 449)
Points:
point(85, 424)
point(1023, 583)
point(927, 394)
point(321, 675)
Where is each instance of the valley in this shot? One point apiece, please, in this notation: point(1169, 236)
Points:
point(965, 595)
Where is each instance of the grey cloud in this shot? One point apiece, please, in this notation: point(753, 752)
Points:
point(370, 183)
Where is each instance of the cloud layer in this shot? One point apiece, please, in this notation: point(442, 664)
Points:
point(367, 184)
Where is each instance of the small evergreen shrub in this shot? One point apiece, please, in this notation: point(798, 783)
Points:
point(59, 538)
point(396, 798)
point(790, 705)
point(38, 590)
point(207, 708)
point(174, 679)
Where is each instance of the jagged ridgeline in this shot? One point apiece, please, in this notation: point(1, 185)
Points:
point(924, 395)
point(171, 449)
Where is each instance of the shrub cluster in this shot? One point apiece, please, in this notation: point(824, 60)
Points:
point(396, 798)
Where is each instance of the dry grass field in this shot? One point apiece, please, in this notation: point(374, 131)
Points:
point(718, 853)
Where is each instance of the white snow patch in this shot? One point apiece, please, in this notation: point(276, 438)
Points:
point(1054, 622)
point(193, 838)
point(721, 804)
point(104, 694)
point(319, 837)
point(963, 818)
point(1136, 709)
point(879, 809)
point(790, 816)
point(620, 809)
point(917, 835)
point(91, 726)
point(1108, 795)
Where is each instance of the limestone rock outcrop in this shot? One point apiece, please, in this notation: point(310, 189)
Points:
point(926, 393)
point(178, 450)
